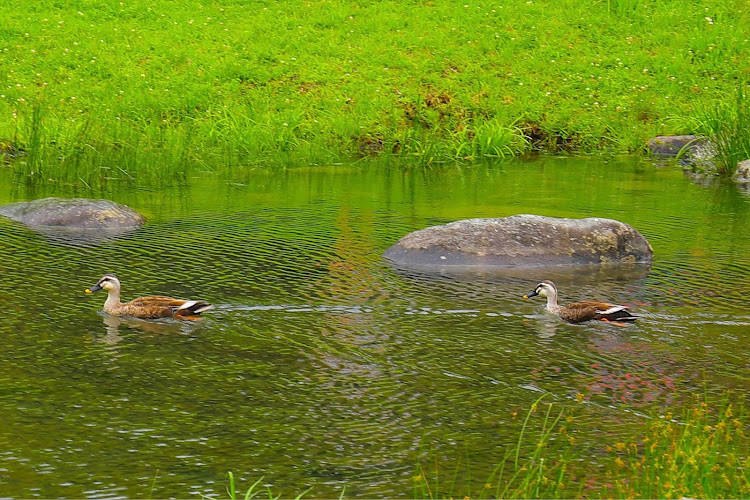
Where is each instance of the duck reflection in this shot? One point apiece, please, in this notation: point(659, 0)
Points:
point(543, 326)
point(116, 325)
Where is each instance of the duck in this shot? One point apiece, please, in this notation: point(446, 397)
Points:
point(578, 312)
point(151, 307)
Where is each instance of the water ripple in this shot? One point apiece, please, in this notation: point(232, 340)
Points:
point(320, 363)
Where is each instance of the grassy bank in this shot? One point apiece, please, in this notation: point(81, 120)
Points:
point(151, 85)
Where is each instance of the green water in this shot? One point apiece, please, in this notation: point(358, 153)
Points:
point(323, 367)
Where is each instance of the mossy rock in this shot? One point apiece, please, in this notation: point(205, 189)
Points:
point(521, 241)
point(75, 220)
point(73, 213)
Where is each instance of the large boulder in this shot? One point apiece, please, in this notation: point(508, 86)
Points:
point(521, 241)
point(76, 220)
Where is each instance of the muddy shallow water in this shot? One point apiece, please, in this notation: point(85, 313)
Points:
point(321, 365)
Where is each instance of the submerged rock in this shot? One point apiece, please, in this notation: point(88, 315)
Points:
point(695, 152)
point(521, 241)
point(742, 174)
point(670, 145)
point(75, 220)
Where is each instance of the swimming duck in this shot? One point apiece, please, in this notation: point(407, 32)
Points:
point(151, 307)
point(578, 312)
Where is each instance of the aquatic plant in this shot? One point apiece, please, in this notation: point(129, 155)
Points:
point(703, 454)
point(536, 467)
point(255, 490)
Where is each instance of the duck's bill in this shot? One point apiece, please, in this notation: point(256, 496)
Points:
point(93, 289)
point(532, 294)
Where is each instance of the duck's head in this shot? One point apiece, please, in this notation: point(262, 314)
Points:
point(545, 288)
point(107, 282)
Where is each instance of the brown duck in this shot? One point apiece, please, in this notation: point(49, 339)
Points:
point(578, 312)
point(151, 307)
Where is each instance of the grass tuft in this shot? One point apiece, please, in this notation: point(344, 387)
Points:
point(727, 127)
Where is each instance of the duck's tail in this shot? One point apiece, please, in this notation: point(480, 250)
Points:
point(617, 313)
point(193, 308)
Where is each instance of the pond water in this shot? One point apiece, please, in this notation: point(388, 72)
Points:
point(322, 366)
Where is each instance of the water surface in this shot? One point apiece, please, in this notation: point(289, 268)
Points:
point(322, 366)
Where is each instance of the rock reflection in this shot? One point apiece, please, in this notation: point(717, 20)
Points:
point(585, 274)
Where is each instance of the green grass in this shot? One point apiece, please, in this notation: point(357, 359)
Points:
point(167, 88)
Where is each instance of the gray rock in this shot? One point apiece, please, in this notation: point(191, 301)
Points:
point(75, 220)
point(669, 146)
point(521, 241)
point(696, 153)
point(742, 174)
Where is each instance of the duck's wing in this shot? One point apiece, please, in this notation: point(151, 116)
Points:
point(157, 306)
point(604, 310)
point(578, 312)
point(587, 305)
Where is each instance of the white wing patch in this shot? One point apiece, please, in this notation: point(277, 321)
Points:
point(204, 308)
point(188, 304)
